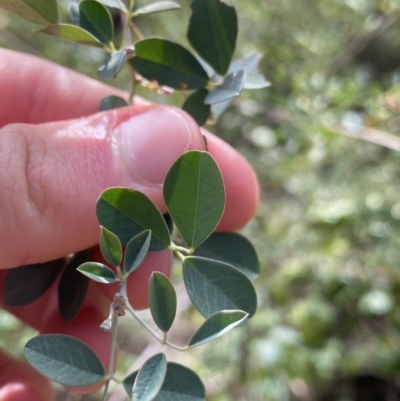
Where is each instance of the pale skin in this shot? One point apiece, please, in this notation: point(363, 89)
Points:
point(57, 154)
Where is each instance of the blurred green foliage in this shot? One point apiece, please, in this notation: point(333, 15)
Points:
point(328, 227)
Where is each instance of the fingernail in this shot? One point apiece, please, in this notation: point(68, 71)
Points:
point(19, 392)
point(150, 142)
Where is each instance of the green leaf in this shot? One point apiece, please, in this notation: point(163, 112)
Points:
point(97, 272)
point(162, 301)
point(231, 87)
point(110, 247)
point(72, 33)
point(180, 384)
point(169, 64)
point(150, 378)
point(216, 325)
point(127, 212)
point(112, 66)
point(73, 287)
point(25, 284)
point(157, 7)
point(212, 32)
point(114, 3)
point(40, 12)
point(112, 102)
point(96, 19)
point(195, 196)
point(194, 105)
point(136, 250)
point(64, 359)
point(214, 286)
point(231, 248)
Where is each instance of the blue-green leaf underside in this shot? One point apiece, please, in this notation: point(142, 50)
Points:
point(112, 102)
point(216, 325)
point(40, 12)
point(214, 286)
point(96, 19)
point(180, 384)
point(232, 248)
point(136, 250)
point(162, 301)
point(194, 105)
point(150, 378)
point(113, 3)
point(157, 7)
point(97, 272)
point(127, 212)
point(169, 64)
point(64, 359)
point(212, 32)
point(110, 247)
point(112, 66)
point(195, 196)
point(71, 33)
point(230, 88)
point(25, 284)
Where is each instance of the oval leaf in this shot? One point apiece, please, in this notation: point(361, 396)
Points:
point(214, 286)
point(194, 105)
point(97, 272)
point(150, 378)
point(216, 325)
point(25, 284)
point(162, 301)
point(169, 64)
point(212, 32)
point(136, 250)
point(96, 19)
point(73, 287)
point(114, 3)
point(112, 66)
point(40, 12)
point(127, 212)
point(157, 7)
point(195, 196)
point(231, 87)
point(232, 248)
point(180, 384)
point(64, 359)
point(72, 33)
point(112, 102)
point(110, 247)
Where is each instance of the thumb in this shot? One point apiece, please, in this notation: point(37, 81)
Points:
point(52, 174)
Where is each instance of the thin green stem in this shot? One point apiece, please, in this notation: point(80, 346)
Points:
point(133, 85)
point(136, 30)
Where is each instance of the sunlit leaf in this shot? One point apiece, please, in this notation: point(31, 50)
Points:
point(113, 3)
point(25, 284)
point(232, 248)
point(127, 212)
point(216, 325)
point(195, 196)
point(157, 7)
point(180, 384)
point(194, 105)
point(110, 247)
point(214, 286)
point(64, 359)
point(112, 66)
point(162, 301)
point(40, 12)
point(212, 32)
point(150, 378)
point(169, 64)
point(72, 33)
point(97, 272)
point(73, 287)
point(96, 19)
point(136, 250)
point(112, 102)
point(231, 87)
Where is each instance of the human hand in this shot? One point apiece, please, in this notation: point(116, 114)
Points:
point(57, 154)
